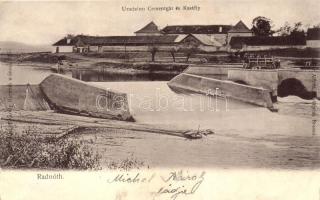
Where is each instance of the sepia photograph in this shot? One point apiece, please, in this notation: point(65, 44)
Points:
point(159, 99)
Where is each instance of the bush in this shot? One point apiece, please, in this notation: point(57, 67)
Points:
point(126, 164)
point(29, 150)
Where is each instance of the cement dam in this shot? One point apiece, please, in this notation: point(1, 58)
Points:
point(260, 87)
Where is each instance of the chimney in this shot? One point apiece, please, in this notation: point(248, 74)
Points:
point(69, 37)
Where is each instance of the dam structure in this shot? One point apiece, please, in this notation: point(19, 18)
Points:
point(67, 95)
point(203, 85)
point(281, 82)
point(255, 86)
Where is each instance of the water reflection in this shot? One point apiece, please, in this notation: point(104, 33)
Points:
point(103, 76)
point(23, 74)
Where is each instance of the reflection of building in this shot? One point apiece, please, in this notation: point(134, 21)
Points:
point(206, 37)
point(313, 38)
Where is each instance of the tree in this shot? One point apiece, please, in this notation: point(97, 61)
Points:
point(261, 26)
point(287, 30)
point(153, 50)
point(189, 50)
point(173, 51)
point(284, 30)
point(297, 30)
point(316, 26)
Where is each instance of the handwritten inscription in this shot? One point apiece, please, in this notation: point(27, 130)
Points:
point(173, 185)
point(181, 183)
point(128, 178)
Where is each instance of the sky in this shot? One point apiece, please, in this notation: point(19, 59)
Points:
point(38, 22)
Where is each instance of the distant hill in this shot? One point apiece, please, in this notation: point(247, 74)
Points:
point(18, 47)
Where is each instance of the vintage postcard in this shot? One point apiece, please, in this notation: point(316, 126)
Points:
point(160, 99)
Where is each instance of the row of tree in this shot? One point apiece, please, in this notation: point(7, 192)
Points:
point(262, 26)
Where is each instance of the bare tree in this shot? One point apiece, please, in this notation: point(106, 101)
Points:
point(295, 31)
point(173, 52)
point(316, 26)
point(153, 50)
point(189, 51)
point(284, 30)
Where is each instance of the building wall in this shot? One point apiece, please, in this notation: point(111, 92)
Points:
point(230, 35)
point(222, 38)
point(261, 48)
point(94, 48)
point(208, 48)
point(62, 49)
point(147, 48)
point(135, 48)
point(313, 43)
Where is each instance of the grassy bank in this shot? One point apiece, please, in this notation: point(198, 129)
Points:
point(163, 60)
point(31, 150)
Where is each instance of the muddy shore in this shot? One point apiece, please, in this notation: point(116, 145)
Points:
point(70, 62)
point(116, 140)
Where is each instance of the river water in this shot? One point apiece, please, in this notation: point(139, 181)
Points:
point(152, 102)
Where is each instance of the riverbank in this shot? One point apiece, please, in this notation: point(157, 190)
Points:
point(141, 63)
point(118, 142)
point(71, 61)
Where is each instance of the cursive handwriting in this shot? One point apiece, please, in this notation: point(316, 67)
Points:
point(182, 176)
point(179, 190)
point(173, 185)
point(127, 178)
point(188, 184)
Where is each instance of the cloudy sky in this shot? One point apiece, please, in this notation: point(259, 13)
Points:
point(46, 22)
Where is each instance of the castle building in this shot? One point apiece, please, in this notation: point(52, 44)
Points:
point(207, 38)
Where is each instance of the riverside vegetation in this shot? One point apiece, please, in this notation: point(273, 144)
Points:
point(30, 150)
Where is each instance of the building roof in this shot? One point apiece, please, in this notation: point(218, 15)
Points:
point(197, 29)
point(207, 40)
point(149, 28)
point(240, 27)
point(81, 40)
point(268, 41)
point(313, 34)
